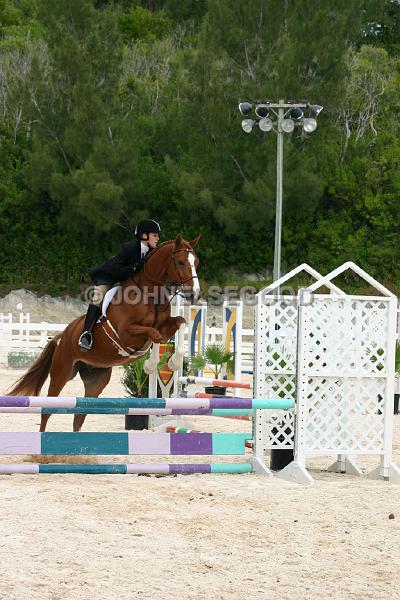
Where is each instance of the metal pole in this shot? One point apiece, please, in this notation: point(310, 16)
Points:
point(279, 459)
point(279, 194)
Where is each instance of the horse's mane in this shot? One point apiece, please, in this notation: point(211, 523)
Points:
point(162, 245)
point(153, 253)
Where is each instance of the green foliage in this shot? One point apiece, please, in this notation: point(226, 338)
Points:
point(384, 25)
point(215, 357)
point(17, 22)
point(142, 24)
point(135, 380)
point(397, 359)
point(21, 360)
point(115, 110)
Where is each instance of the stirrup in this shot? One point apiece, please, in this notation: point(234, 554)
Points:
point(85, 341)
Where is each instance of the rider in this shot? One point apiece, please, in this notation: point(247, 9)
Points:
point(128, 260)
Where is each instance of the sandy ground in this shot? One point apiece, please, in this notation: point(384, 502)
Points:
point(194, 537)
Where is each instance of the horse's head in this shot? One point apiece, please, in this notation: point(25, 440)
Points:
point(174, 262)
point(182, 270)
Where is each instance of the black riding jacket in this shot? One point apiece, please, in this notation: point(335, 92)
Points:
point(121, 266)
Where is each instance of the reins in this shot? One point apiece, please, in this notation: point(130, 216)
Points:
point(153, 253)
point(179, 291)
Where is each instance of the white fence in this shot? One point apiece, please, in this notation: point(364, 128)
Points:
point(23, 336)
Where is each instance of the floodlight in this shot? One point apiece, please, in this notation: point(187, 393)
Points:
point(265, 124)
point(296, 113)
point(247, 125)
point(245, 108)
point(262, 110)
point(309, 125)
point(315, 109)
point(287, 125)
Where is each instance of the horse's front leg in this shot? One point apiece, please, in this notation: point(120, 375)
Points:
point(171, 326)
point(150, 365)
point(134, 329)
point(175, 325)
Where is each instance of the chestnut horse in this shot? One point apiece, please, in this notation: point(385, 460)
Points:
point(140, 316)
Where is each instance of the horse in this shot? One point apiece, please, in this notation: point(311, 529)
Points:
point(138, 317)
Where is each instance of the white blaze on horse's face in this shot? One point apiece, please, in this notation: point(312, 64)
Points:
point(196, 285)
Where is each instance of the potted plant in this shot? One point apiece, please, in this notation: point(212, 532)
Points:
point(136, 384)
point(216, 358)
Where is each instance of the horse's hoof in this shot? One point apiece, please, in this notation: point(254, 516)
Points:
point(175, 362)
point(149, 368)
point(156, 339)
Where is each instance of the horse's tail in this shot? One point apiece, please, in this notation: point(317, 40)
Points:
point(32, 382)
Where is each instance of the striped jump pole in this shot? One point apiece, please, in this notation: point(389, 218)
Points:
point(126, 469)
point(243, 417)
point(248, 443)
point(220, 382)
point(241, 414)
point(133, 442)
point(145, 404)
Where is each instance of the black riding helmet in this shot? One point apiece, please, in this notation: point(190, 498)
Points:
point(147, 226)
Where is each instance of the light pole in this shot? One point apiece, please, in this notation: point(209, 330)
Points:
point(286, 116)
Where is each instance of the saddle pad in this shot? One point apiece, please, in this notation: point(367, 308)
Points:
point(107, 299)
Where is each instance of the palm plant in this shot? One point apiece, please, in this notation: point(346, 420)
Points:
point(215, 357)
point(135, 380)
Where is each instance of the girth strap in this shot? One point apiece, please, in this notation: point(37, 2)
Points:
point(114, 337)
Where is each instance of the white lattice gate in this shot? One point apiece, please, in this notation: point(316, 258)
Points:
point(333, 354)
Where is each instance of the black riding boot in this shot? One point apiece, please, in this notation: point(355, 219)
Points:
point(93, 313)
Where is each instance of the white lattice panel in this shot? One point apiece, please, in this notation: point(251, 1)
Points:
point(275, 372)
point(344, 416)
point(343, 375)
point(346, 337)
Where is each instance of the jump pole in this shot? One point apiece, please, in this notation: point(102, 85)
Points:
point(132, 442)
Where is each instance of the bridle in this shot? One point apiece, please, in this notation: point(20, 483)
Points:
point(172, 258)
point(179, 286)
